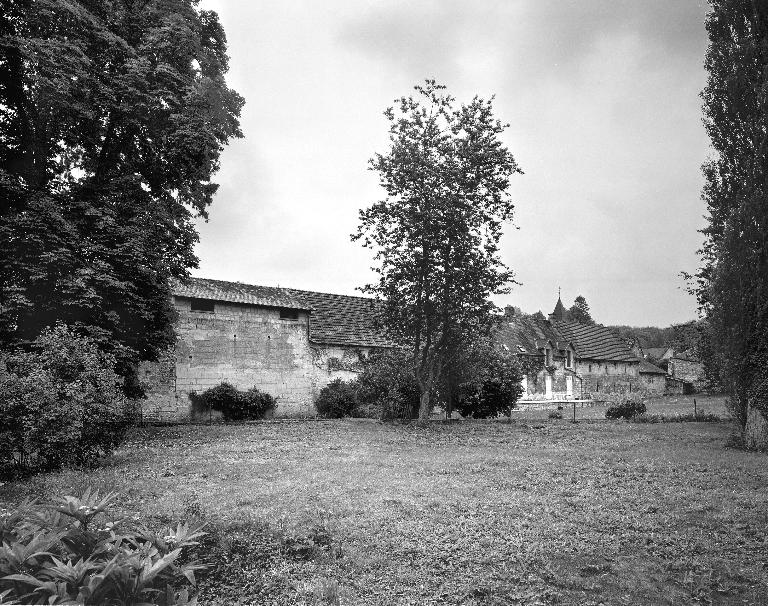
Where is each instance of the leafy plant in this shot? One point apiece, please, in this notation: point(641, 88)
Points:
point(67, 553)
point(60, 404)
point(234, 404)
point(336, 400)
point(627, 408)
point(496, 387)
point(555, 414)
point(386, 387)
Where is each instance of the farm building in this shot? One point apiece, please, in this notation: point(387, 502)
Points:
point(289, 343)
point(566, 360)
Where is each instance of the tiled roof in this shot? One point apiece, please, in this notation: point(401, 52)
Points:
point(525, 334)
point(237, 292)
point(655, 352)
point(647, 368)
point(342, 319)
point(595, 342)
point(688, 356)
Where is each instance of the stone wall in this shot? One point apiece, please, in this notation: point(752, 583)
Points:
point(653, 382)
point(248, 346)
point(686, 370)
point(590, 378)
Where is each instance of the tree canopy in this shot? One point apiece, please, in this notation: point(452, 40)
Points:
point(732, 284)
point(579, 311)
point(112, 119)
point(436, 233)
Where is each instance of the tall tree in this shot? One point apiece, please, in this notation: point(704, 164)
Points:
point(437, 231)
point(579, 311)
point(112, 119)
point(732, 285)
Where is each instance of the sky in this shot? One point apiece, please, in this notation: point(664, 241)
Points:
point(602, 99)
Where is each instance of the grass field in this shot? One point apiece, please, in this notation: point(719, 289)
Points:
point(542, 512)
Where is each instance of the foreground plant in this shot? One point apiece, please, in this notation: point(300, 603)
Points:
point(67, 553)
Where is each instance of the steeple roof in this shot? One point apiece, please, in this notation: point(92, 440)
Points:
point(560, 312)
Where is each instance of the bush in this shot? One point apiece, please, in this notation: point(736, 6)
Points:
point(60, 404)
point(628, 408)
point(336, 400)
point(555, 414)
point(496, 388)
point(61, 554)
point(234, 404)
point(386, 387)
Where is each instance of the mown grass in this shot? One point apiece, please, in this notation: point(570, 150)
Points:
point(541, 512)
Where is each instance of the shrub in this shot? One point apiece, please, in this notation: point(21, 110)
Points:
point(628, 408)
point(234, 404)
point(386, 387)
point(555, 414)
point(66, 554)
point(495, 389)
point(60, 404)
point(336, 400)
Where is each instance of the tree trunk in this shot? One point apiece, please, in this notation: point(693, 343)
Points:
point(424, 407)
point(756, 429)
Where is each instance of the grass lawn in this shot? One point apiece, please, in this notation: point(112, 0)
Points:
point(542, 512)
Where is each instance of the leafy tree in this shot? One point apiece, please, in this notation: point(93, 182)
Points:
point(732, 284)
point(112, 119)
point(436, 233)
point(495, 388)
point(579, 311)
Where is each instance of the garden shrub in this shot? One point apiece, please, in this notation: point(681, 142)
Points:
point(496, 387)
point(61, 403)
point(234, 404)
point(336, 400)
point(555, 414)
point(627, 408)
point(386, 387)
point(67, 553)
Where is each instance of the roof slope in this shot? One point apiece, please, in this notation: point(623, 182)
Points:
point(525, 334)
point(647, 368)
point(342, 319)
point(595, 342)
point(237, 292)
point(655, 352)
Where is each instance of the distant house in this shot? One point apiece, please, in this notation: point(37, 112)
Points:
point(567, 360)
point(652, 377)
point(686, 373)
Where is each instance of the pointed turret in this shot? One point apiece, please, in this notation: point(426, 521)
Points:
point(560, 314)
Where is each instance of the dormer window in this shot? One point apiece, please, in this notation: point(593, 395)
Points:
point(202, 305)
point(289, 314)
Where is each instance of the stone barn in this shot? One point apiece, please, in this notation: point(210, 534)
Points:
point(289, 343)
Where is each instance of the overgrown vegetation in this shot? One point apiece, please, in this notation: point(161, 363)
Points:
point(626, 408)
point(496, 386)
point(732, 284)
point(68, 552)
point(61, 403)
point(235, 404)
point(337, 399)
point(113, 119)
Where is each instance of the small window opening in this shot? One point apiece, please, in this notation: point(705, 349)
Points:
point(289, 314)
point(203, 305)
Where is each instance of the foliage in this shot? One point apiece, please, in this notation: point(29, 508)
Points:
point(336, 400)
point(702, 417)
point(113, 116)
point(496, 387)
point(436, 233)
point(555, 414)
point(60, 404)
point(645, 336)
point(67, 553)
point(387, 386)
point(235, 404)
point(732, 283)
point(579, 311)
point(626, 408)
